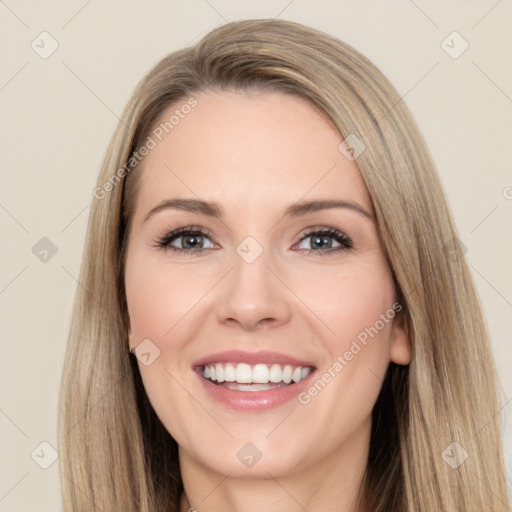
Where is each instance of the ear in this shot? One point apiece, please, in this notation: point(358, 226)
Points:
point(130, 332)
point(400, 351)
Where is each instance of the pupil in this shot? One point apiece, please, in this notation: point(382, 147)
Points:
point(192, 240)
point(321, 242)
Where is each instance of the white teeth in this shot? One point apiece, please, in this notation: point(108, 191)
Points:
point(249, 387)
point(260, 374)
point(229, 373)
point(219, 372)
point(276, 374)
point(243, 373)
point(287, 374)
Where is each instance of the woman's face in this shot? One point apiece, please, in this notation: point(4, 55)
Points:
point(276, 285)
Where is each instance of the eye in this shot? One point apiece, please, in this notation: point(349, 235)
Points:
point(189, 239)
point(324, 240)
point(195, 240)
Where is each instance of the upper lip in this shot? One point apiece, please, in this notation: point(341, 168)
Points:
point(260, 357)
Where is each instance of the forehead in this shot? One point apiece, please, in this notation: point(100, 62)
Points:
point(256, 149)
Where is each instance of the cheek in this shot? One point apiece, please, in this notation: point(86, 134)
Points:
point(160, 297)
point(161, 305)
point(357, 307)
point(348, 301)
point(164, 302)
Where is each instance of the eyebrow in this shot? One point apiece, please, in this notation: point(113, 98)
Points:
point(294, 210)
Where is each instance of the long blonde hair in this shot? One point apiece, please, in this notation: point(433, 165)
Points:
point(114, 452)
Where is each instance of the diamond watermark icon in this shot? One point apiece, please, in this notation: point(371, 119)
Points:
point(454, 455)
point(249, 455)
point(454, 249)
point(146, 352)
point(352, 147)
point(44, 455)
point(44, 45)
point(249, 249)
point(454, 45)
point(44, 250)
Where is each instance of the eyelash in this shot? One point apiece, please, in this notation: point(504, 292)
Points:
point(164, 242)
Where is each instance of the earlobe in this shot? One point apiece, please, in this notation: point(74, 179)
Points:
point(400, 349)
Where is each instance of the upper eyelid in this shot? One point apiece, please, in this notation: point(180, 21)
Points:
point(328, 231)
point(189, 229)
point(199, 229)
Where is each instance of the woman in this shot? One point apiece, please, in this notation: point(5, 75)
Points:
point(274, 310)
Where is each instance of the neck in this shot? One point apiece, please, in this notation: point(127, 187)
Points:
point(332, 484)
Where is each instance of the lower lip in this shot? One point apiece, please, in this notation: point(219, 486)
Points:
point(254, 400)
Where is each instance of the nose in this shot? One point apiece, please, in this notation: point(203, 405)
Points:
point(252, 297)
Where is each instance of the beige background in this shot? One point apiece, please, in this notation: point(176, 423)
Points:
point(58, 114)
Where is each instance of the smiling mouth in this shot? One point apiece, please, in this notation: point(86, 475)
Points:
point(258, 377)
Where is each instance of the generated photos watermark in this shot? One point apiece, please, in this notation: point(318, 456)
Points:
point(157, 135)
point(344, 359)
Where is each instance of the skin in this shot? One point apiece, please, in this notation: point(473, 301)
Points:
point(255, 153)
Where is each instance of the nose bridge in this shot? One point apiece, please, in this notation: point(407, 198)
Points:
point(251, 294)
